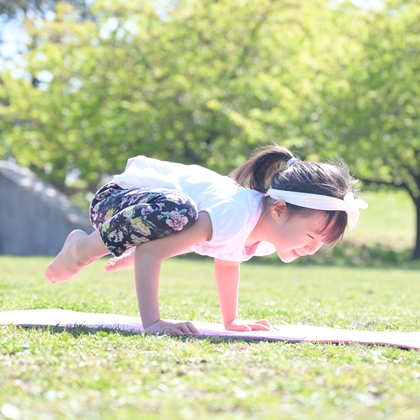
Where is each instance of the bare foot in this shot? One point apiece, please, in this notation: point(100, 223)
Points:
point(123, 262)
point(66, 264)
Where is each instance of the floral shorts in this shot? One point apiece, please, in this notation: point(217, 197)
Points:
point(127, 218)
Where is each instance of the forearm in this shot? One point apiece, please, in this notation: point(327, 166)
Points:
point(147, 270)
point(148, 260)
point(227, 281)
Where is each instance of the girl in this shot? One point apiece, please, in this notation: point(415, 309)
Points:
point(156, 210)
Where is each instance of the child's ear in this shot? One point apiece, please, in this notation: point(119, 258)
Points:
point(278, 209)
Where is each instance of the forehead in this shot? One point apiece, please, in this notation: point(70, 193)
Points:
point(316, 222)
point(315, 219)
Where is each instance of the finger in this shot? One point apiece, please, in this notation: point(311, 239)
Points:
point(239, 327)
point(263, 322)
point(259, 327)
point(191, 327)
point(183, 327)
point(173, 331)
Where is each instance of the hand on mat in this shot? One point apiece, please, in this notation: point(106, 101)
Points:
point(170, 328)
point(241, 325)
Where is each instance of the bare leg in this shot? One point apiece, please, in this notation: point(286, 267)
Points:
point(79, 250)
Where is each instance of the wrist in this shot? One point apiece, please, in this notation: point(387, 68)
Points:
point(230, 321)
point(153, 323)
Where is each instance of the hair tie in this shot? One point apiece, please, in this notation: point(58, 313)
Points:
point(291, 161)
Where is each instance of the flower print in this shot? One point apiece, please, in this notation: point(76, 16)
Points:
point(116, 236)
point(127, 244)
point(109, 214)
point(146, 210)
point(119, 251)
point(135, 198)
point(174, 198)
point(192, 213)
point(137, 240)
point(176, 220)
point(105, 227)
point(123, 201)
point(140, 226)
point(128, 213)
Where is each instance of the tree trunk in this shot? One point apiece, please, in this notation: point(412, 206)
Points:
point(416, 251)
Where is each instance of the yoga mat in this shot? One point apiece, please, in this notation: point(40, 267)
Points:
point(290, 333)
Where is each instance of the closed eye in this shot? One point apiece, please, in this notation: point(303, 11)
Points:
point(312, 237)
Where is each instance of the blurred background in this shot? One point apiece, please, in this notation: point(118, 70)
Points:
point(86, 84)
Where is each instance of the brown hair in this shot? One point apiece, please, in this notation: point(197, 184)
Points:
point(267, 169)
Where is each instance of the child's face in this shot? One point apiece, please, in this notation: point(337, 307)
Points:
point(295, 236)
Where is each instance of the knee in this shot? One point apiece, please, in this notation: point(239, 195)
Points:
point(188, 207)
point(183, 211)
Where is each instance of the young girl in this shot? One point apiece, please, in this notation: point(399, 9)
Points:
point(156, 210)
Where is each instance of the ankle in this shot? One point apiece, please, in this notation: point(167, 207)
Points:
point(79, 252)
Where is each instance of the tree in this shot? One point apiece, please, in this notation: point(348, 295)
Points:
point(12, 9)
point(372, 120)
point(206, 81)
point(203, 82)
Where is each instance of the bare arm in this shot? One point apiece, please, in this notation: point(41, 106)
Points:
point(227, 275)
point(126, 260)
point(148, 259)
point(227, 280)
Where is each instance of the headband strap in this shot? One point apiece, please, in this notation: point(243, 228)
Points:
point(349, 204)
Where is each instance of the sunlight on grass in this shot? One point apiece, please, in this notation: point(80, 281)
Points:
point(389, 220)
point(81, 373)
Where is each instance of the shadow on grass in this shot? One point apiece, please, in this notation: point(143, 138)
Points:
point(79, 331)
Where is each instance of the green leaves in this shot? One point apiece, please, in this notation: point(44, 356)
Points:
point(206, 82)
point(201, 82)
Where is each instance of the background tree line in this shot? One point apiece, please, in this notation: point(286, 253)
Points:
point(207, 81)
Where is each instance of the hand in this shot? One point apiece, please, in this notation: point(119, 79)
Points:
point(123, 262)
point(240, 325)
point(170, 328)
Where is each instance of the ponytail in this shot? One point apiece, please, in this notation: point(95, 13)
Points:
point(257, 172)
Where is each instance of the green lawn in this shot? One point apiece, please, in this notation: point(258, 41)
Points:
point(389, 220)
point(82, 374)
point(76, 374)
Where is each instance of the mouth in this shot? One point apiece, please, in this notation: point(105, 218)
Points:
point(297, 254)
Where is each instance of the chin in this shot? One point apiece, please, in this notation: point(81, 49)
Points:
point(287, 259)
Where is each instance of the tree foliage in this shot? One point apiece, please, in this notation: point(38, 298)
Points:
point(373, 120)
point(208, 81)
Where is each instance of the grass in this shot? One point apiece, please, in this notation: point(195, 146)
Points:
point(81, 373)
point(385, 235)
point(86, 374)
point(389, 220)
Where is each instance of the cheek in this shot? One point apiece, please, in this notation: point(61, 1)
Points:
point(295, 239)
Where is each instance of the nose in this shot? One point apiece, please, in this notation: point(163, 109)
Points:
point(314, 246)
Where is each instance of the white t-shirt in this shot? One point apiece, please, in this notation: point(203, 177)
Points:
point(233, 210)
